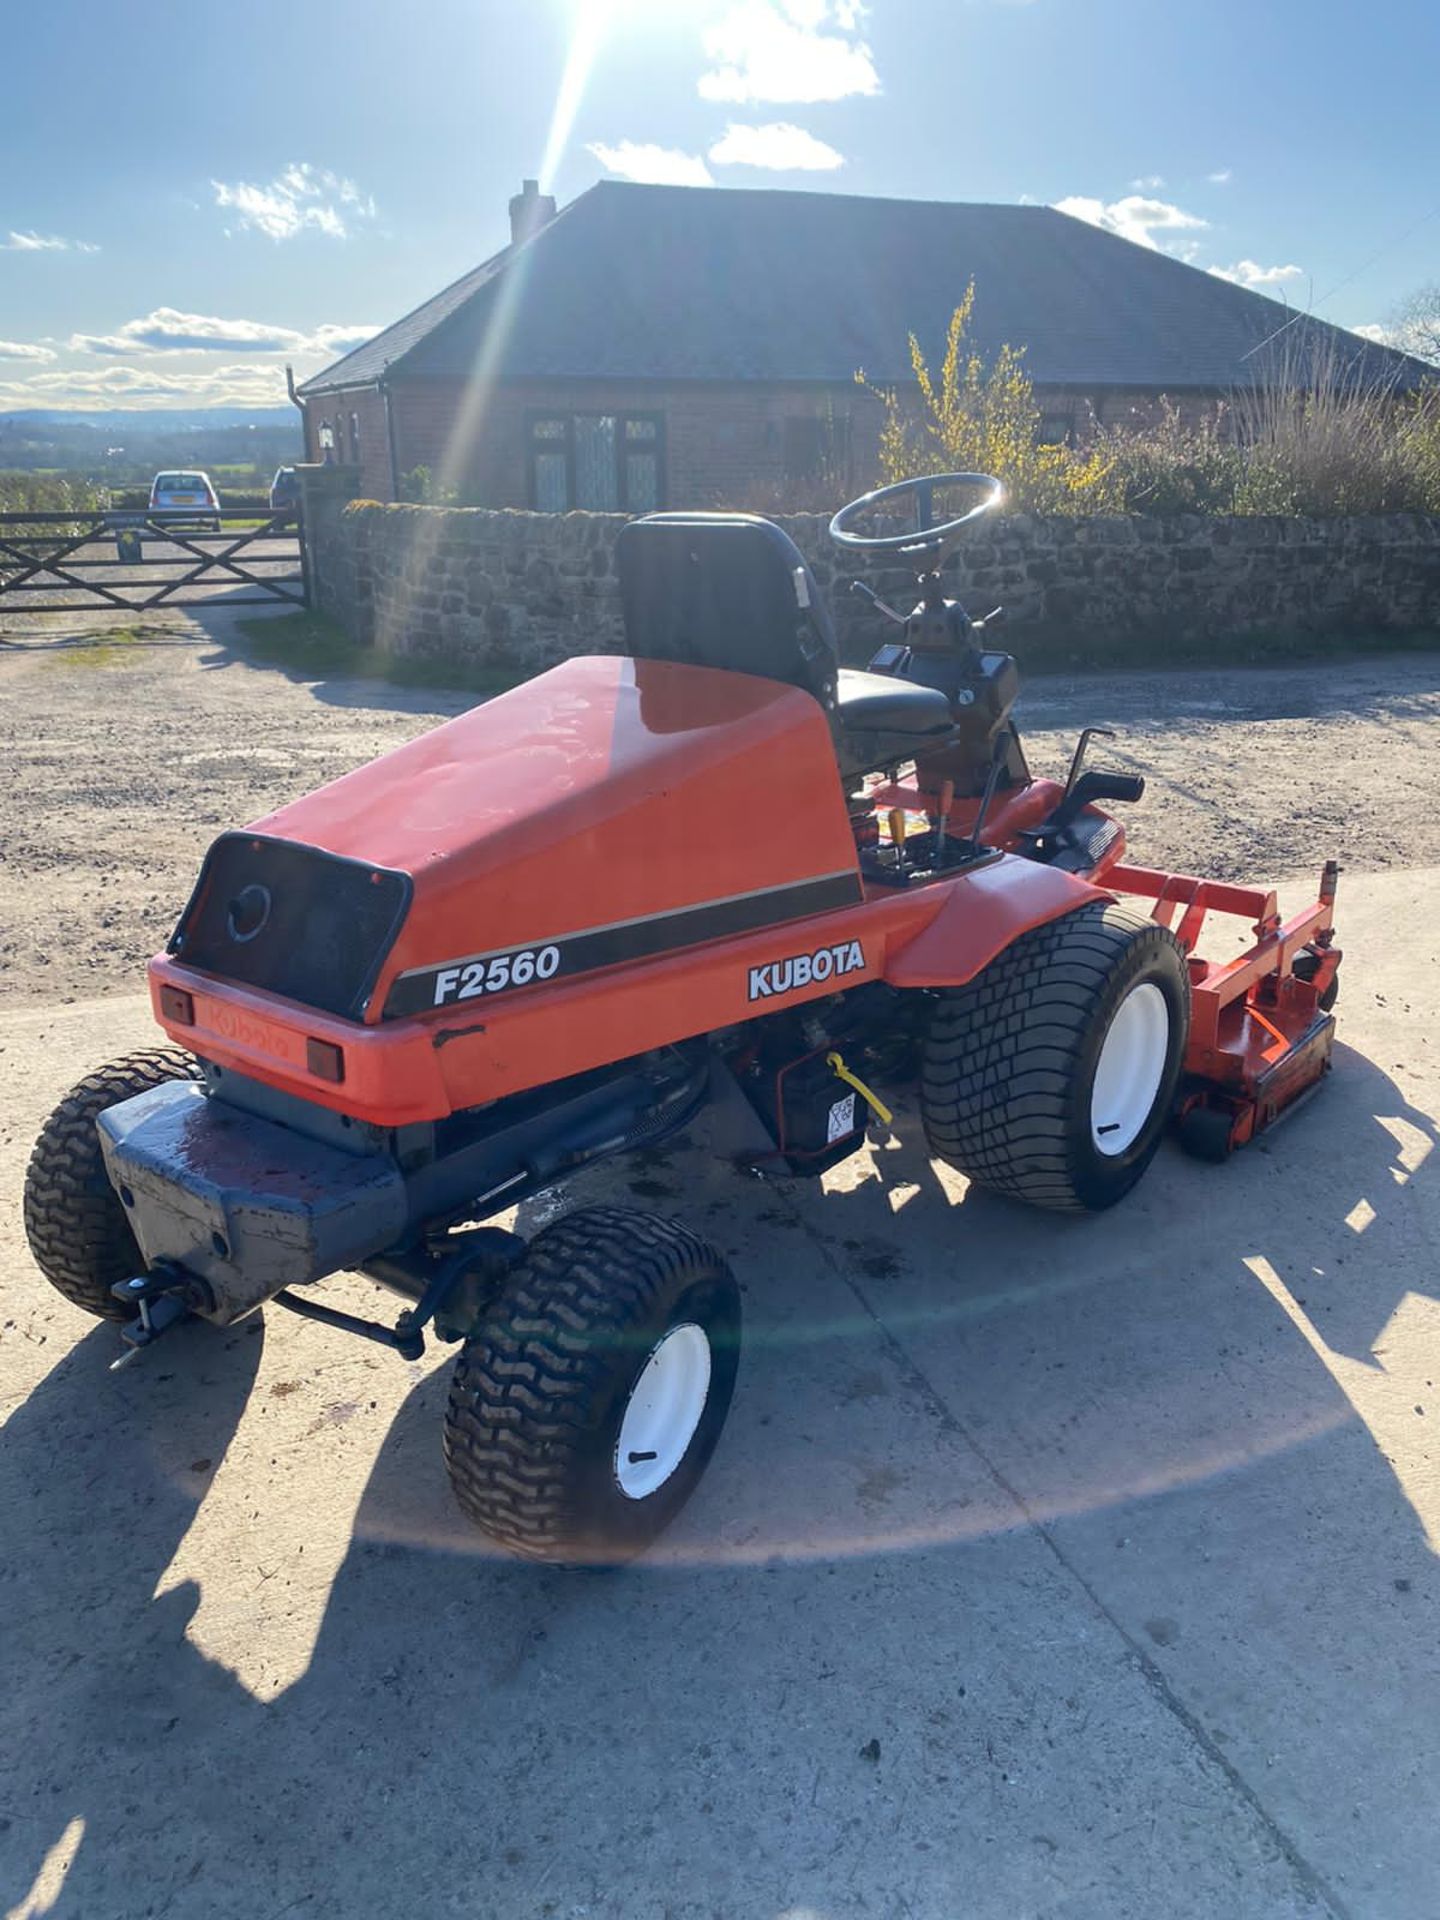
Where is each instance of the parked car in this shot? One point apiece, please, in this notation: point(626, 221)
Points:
point(187, 497)
point(285, 491)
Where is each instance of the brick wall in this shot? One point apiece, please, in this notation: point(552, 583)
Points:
point(361, 438)
point(720, 444)
point(520, 591)
point(723, 445)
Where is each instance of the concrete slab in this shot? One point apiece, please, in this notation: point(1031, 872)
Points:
point(1047, 1568)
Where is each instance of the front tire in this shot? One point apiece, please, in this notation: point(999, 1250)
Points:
point(1050, 1077)
point(77, 1229)
point(589, 1397)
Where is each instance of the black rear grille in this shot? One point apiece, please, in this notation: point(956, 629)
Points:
point(292, 920)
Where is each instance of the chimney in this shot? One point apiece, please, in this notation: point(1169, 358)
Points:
point(529, 211)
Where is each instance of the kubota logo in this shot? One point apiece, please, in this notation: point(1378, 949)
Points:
point(806, 969)
point(246, 1031)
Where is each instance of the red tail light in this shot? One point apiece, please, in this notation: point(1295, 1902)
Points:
point(177, 1005)
point(325, 1061)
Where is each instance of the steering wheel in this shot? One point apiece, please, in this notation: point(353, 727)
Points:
point(931, 541)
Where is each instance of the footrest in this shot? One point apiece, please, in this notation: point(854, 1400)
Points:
point(1077, 847)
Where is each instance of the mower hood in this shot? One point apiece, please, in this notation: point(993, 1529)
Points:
point(608, 810)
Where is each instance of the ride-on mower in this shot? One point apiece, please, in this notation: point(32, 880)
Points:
point(556, 927)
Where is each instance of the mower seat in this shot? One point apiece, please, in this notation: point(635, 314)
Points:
point(878, 703)
point(727, 590)
point(732, 590)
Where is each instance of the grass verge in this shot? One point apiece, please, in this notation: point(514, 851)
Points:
point(308, 643)
point(113, 648)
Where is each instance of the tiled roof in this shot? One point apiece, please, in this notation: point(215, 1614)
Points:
point(680, 283)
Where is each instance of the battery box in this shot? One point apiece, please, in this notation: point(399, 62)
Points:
point(814, 1117)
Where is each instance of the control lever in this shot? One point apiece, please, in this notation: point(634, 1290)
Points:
point(869, 593)
point(996, 617)
point(1082, 747)
point(1094, 784)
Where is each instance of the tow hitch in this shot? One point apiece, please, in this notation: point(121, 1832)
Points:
point(162, 1298)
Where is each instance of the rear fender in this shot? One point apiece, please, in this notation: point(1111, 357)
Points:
point(987, 910)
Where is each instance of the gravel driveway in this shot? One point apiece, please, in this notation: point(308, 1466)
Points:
point(119, 763)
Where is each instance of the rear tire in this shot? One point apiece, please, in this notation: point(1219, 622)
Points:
point(1050, 1077)
point(77, 1229)
point(589, 1397)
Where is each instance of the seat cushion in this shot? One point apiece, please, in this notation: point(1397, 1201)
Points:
point(879, 703)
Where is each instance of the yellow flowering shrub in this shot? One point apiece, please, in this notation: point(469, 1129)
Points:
point(979, 418)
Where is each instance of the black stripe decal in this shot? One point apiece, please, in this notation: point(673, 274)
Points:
point(478, 978)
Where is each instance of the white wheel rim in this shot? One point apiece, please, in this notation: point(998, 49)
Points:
point(1129, 1070)
point(663, 1412)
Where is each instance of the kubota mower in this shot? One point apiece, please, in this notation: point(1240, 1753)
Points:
point(557, 926)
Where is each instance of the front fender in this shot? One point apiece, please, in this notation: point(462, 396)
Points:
point(988, 909)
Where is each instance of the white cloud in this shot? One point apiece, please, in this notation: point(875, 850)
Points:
point(1249, 273)
point(1372, 330)
point(1222, 177)
point(779, 147)
point(300, 198)
point(334, 339)
point(1148, 183)
point(167, 330)
point(43, 243)
point(781, 50)
point(1133, 218)
point(240, 385)
point(655, 166)
point(17, 350)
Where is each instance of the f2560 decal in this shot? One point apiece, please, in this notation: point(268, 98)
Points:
point(479, 977)
point(806, 969)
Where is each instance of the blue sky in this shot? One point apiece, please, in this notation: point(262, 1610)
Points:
point(191, 198)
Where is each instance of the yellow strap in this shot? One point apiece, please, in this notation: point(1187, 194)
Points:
point(838, 1067)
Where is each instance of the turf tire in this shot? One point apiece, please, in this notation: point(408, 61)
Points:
point(76, 1226)
point(544, 1378)
point(1009, 1061)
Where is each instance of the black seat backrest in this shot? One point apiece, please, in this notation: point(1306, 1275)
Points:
point(725, 590)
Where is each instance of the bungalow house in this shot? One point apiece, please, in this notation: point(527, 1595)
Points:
point(657, 346)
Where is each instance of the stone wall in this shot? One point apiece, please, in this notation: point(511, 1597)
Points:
point(519, 591)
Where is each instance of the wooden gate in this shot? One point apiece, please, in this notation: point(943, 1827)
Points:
point(129, 562)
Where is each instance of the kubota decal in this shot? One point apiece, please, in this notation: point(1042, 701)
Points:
point(480, 975)
point(806, 969)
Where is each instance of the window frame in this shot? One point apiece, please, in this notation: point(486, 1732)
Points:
point(622, 416)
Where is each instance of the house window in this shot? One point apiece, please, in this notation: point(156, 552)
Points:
point(817, 446)
point(602, 462)
point(1056, 430)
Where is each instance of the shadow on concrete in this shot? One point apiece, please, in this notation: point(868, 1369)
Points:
point(109, 1709)
point(229, 647)
point(693, 1736)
